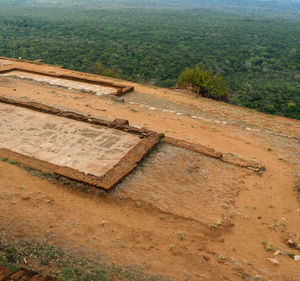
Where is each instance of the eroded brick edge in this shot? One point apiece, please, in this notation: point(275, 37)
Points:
point(23, 274)
point(225, 157)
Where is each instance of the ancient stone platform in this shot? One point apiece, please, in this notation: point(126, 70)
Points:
point(98, 90)
point(79, 149)
point(87, 85)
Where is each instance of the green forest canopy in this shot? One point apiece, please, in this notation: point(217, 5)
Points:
point(258, 57)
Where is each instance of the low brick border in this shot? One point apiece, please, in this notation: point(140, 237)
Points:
point(148, 140)
point(23, 275)
point(121, 89)
point(225, 157)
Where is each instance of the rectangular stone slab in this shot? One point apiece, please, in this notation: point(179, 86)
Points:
point(84, 151)
point(71, 82)
point(98, 90)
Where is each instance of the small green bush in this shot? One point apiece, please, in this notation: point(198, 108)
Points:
point(204, 83)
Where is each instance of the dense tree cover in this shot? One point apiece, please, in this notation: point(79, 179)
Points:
point(259, 58)
point(101, 69)
point(203, 82)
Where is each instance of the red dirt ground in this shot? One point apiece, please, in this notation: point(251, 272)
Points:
point(223, 211)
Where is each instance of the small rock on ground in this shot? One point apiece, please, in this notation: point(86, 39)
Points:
point(297, 258)
point(274, 261)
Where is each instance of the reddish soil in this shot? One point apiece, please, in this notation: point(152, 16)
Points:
point(221, 212)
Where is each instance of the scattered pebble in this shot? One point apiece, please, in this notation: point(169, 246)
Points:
point(277, 253)
point(274, 261)
point(291, 243)
point(297, 258)
point(138, 204)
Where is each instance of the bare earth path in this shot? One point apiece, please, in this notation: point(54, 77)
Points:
point(180, 214)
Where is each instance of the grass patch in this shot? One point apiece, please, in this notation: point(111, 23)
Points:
point(49, 259)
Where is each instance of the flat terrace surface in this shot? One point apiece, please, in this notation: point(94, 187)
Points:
point(97, 90)
point(88, 148)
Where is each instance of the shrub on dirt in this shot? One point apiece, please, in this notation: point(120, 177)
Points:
point(204, 83)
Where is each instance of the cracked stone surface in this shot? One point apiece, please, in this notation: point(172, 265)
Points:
point(61, 141)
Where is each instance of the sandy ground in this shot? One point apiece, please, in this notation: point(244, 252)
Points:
point(180, 214)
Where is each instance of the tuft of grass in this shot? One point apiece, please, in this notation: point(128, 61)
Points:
point(287, 253)
point(181, 235)
point(215, 225)
point(278, 224)
point(222, 257)
point(270, 247)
